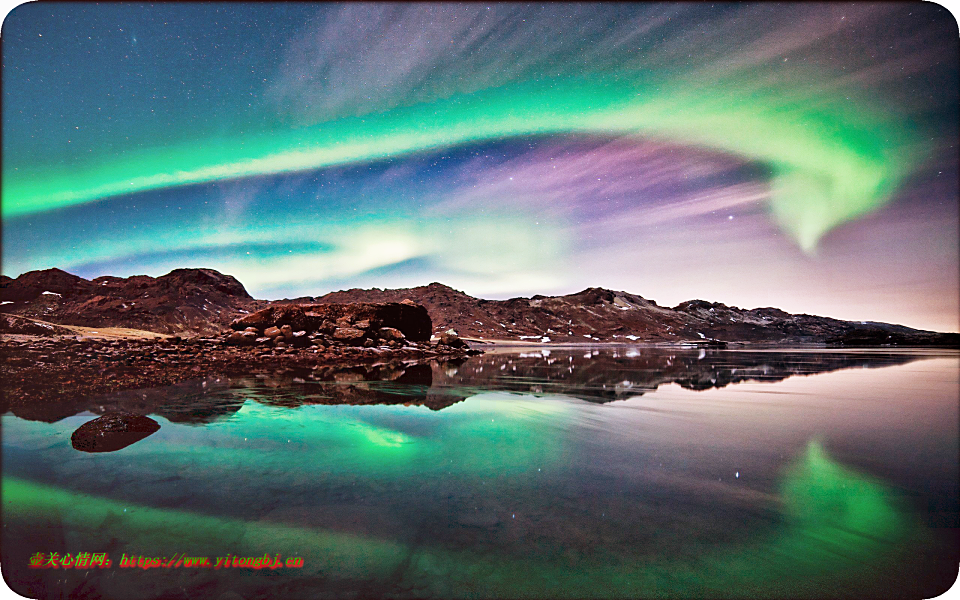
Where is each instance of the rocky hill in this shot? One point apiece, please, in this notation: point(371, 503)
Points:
point(601, 315)
point(184, 300)
point(204, 301)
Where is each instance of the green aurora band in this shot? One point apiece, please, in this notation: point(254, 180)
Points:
point(842, 531)
point(830, 159)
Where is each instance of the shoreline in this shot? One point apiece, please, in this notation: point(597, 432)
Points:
point(46, 369)
point(106, 360)
point(494, 344)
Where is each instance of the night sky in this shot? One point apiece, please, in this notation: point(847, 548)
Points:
point(800, 156)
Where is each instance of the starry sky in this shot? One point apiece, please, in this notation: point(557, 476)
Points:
point(802, 156)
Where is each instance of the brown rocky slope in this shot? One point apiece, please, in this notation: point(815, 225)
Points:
point(204, 301)
point(601, 315)
point(201, 301)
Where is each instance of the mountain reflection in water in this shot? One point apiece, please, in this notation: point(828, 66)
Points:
point(542, 472)
point(592, 374)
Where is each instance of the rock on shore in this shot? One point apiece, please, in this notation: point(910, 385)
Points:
point(349, 323)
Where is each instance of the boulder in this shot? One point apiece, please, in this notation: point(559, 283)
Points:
point(452, 340)
point(276, 315)
point(390, 334)
point(287, 332)
point(348, 335)
point(409, 318)
point(241, 339)
point(300, 339)
point(272, 332)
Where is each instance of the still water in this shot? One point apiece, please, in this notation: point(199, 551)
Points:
point(594, 472)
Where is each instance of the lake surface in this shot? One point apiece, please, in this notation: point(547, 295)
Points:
point(581, 473)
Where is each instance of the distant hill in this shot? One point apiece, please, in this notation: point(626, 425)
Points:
point(195, 300)
point(204, 301)
point(598, 314)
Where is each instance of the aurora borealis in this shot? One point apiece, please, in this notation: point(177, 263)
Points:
point(828, 506)
point(799, 156)
point(508, 494)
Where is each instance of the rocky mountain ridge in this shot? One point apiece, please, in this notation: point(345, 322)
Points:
point(601, 315)
point(204, 301)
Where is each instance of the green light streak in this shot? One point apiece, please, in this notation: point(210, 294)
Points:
point(493, 435)
point(832, 161)
point(839, 526)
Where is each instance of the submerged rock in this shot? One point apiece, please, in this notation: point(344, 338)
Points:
point(112, 432)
